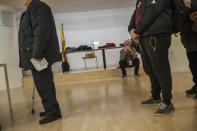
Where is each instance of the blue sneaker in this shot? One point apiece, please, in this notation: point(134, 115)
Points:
point(124, 75)
point(137, 75)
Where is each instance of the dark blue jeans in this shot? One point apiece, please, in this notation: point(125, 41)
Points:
point(124, 64)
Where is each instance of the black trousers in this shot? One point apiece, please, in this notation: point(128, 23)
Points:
point(124, 64)
point(46, 89)
point(192, 57)
point(156, 65)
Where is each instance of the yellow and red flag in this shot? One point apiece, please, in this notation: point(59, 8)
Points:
point(64, 55)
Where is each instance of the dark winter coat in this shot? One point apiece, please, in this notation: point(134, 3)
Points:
point(37, 35)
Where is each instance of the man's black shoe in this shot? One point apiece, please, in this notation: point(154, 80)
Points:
point(151, 101)
point(164, 109)
point(191, 91)
point(43, 114)
point(50, 118)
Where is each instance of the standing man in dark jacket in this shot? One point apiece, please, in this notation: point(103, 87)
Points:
point(38, 40)
point(189, 40)
point(151, 24)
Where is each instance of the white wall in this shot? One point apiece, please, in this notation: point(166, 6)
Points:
point(9, 53)
point(103, 25)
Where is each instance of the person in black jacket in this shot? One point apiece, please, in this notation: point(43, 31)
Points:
point(189, 40)
point(38, 40)
point(151, 25)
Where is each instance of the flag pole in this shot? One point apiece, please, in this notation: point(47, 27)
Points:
point(63, 46)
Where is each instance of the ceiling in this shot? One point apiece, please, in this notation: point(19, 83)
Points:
point(61, 6)
point(19, 3)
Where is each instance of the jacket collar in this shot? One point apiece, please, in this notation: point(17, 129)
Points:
point(32, 3)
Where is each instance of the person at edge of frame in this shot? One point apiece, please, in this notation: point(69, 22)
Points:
point(189, 40)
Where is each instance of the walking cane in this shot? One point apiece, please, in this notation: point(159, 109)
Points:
point(33, 99)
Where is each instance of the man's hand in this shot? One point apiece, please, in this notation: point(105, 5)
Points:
point(193, 16)
point(134, 36)
point(136, 41)
point(127, 48)
point(130, 63)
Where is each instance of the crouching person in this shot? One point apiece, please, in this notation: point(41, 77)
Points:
point(129, 58)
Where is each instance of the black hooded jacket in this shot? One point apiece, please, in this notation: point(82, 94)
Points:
point(155, 18)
